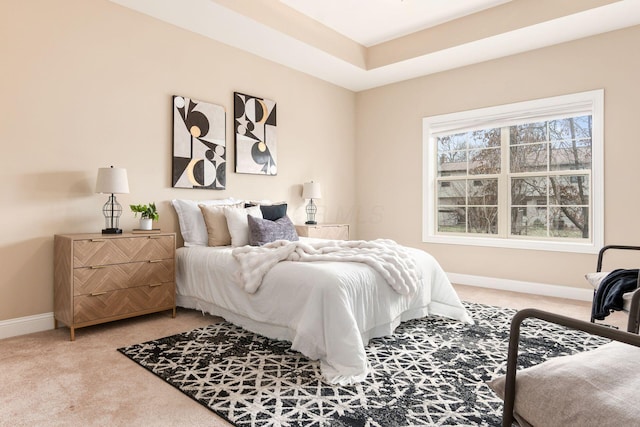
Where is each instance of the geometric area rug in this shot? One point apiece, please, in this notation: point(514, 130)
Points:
point(431, 371)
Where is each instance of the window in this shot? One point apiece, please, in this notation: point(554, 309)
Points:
point(525, 175)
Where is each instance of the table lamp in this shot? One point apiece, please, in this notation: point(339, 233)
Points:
point(311, 190)
point(112, 181)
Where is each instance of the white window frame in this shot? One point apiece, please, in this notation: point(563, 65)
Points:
point(591, 102)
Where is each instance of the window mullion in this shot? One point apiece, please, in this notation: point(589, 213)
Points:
point(504, 198)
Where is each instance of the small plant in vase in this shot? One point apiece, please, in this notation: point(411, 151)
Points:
point(148, 214)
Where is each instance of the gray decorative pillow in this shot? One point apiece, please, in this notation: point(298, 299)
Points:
point(262, 231)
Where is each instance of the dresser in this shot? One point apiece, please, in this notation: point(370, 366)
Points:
point(324, 231)
point(99, 278)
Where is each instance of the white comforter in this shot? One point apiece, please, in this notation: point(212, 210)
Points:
point(327, 310)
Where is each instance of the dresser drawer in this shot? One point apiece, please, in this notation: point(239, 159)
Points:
point(88, 280)
point(123, 302)
point(97, 251)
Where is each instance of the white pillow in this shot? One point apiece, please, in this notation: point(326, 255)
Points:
point(594, 279)
point(238, 223)
point(192, 226)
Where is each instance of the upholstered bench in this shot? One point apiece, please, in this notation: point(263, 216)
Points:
point(593, 388)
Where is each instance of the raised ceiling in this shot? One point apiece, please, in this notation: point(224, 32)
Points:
point(315, 40)
point(370, 22)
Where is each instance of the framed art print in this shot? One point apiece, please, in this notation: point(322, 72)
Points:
point(199, 144)
point(255, 135)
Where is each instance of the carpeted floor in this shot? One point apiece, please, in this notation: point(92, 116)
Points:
point(430, 372)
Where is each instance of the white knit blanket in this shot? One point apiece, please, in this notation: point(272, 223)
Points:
point(391, 260)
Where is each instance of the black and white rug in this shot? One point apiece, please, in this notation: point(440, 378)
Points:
point(432, 371)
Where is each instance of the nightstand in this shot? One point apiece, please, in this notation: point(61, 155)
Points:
point(324, 231)
point(99, 278)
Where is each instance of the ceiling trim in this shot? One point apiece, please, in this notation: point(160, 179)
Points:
point(214, 21)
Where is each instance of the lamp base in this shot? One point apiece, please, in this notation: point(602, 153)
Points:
point(311, 222)
point(112, 231)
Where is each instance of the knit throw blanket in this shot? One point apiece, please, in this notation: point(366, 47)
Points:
point(392, 261)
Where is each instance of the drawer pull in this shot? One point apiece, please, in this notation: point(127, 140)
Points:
point(153, 261)
point(155, 237)
point(155, 285)
point(97, 240)
point(96, 267)
point(95, 294)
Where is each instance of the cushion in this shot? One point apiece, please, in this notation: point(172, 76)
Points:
point(271, 211)
point(216, 223)
point(249, 203)
point(262, 231)
point(238, 223)
point(274, 212)
point(594, 279)
point(192, 226)
point(597, 387)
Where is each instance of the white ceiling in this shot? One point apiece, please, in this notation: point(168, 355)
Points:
point(210, 19)
point(370, 22)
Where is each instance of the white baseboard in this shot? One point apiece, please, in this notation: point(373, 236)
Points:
point(522, 287)
point(26, 325)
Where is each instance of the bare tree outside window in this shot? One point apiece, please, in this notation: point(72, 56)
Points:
point(469, 205)
point(548, 179)
point(552, 200)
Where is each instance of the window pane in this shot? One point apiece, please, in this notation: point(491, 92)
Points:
point(483, 220)
point(570, 222)
point(452, 193)
point(528, 158)
point(451, 143)
point(571, 129)
point(529, 191)
point(569, 190)
point(529, 221)
point(484, 162)
point(528, 133)
point(483, 192)
point(452, 163)
point(483, 138)
point(570, 155)
point(452, 220)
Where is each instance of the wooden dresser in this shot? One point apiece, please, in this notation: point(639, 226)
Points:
point(100, 278)
point(324, 231)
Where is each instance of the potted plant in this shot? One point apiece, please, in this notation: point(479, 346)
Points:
point(148, 214)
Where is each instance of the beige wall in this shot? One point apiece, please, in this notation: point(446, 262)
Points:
point(88, 84)
point(389, 147)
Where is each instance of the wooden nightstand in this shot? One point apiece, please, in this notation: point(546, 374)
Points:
point(324, 231)
point(99, 278)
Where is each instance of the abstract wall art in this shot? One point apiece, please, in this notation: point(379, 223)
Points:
point(199, 145)
point(255, 135)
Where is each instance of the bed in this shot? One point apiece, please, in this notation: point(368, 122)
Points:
point(328, 310)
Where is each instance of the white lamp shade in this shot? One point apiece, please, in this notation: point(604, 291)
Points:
point(112, 180)
point(311, 190)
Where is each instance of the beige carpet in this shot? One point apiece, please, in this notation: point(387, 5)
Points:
point(46, 380)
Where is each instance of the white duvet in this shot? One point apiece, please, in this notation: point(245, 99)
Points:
point(327, 310)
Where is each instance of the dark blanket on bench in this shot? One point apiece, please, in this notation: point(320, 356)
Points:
point(608, 296)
